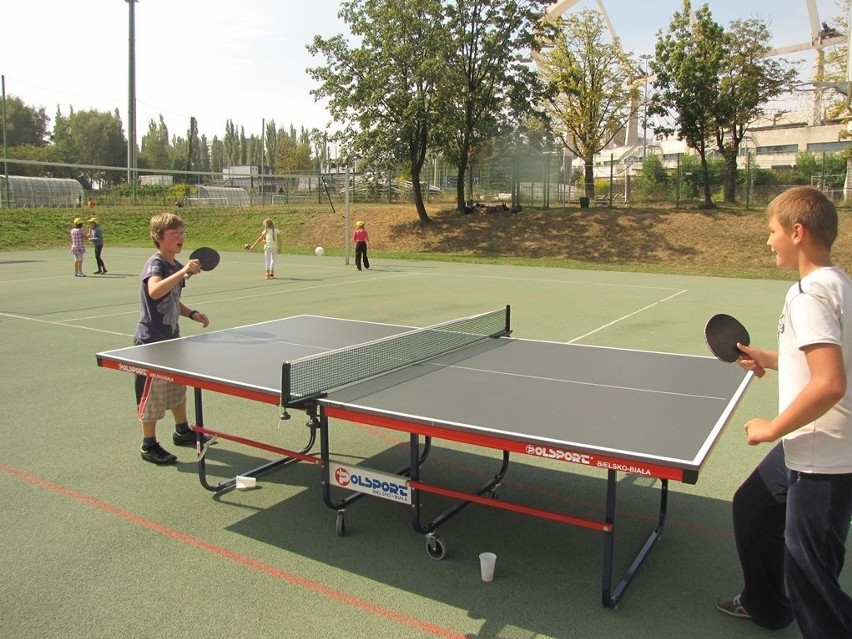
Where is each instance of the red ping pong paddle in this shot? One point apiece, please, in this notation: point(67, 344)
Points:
point(722, 334)
point(208, 257)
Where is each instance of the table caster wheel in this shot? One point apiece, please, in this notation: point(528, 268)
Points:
point(436, 548)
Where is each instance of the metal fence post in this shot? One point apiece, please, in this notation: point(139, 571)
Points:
point(677, 183)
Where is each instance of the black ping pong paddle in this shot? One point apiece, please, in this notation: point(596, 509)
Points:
point(722, 334)
point(208, 257)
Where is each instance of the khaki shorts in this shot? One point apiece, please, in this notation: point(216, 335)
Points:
point(158, 397)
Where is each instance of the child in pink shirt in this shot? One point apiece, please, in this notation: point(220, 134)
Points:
point(361, 238)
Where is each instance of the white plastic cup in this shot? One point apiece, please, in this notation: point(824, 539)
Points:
point(244, 483)
point(486, 565)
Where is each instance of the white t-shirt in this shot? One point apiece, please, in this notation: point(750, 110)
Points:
point(270, 238)
point(815, 312)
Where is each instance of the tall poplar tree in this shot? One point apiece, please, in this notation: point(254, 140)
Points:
point(155, 149)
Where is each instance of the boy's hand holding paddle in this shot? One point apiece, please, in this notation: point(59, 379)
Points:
point(207, 258)
point(729, 341)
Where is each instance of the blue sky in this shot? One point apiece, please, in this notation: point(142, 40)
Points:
point(246, 60)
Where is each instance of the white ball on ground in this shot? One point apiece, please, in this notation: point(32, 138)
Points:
point(319, 250)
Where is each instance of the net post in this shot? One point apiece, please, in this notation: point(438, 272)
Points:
point(286, 385)
point(508, 319)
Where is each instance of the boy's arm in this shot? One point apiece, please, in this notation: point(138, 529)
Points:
point(826, 387)
point(754, 358)
point(159, 287)
point(195, 316)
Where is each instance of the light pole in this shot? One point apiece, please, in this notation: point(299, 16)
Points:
point(131, 98)
point(5, 152)
point(645, 57)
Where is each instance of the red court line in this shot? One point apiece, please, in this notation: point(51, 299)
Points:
point(276, 573)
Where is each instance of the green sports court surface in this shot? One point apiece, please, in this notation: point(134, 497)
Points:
point(98, 543)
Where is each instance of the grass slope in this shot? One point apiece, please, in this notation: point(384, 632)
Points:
point(723, 242)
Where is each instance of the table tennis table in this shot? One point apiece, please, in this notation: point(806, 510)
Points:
point(468, 381)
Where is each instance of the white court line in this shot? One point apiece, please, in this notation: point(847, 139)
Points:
point(624, 317)
point(652, 391)
point(413, 272)
point(548, 281)
point(310, 288)
point(36, 279)
point(227, 300)
point(85, 328)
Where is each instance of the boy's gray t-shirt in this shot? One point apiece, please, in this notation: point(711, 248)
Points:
point(159, 318)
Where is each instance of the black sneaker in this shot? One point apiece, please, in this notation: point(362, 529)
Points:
point(733, 607)
point(156, 454)
point(188, 438)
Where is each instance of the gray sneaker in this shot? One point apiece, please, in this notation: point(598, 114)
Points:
point(733, 607)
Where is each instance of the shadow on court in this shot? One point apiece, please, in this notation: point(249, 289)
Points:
point(548, 576)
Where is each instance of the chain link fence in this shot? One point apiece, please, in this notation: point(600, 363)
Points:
point(533, 180)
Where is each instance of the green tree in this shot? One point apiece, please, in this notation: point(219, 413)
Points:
point(192, 143)
point(94, 138)
point(203, 155)
point(293, 151)
point(319, 144)
point(593, 93)
point(30, 152)
point(155, 149)
point(687, 63)
point(718, 83)
point(300, 157)
point(254, 151)
point(383, 90)
point(217, 155)
point(271, 135)
point(24, 124)
point(231, 143)
point(747, 81)
point(820, 169)
point(303, 158)
point(484, 86)
point(654, 177)
point(180, 156)
point(61, 130)
point(244, 150)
